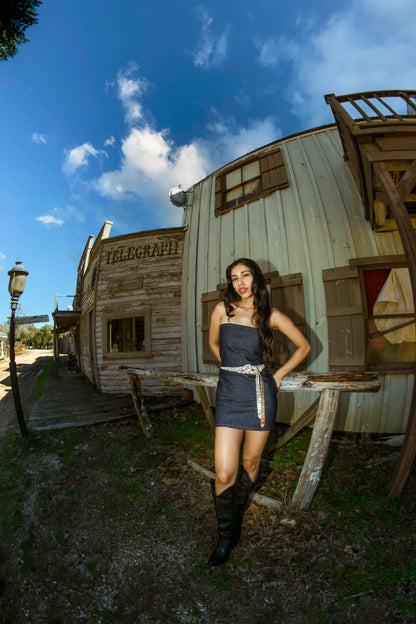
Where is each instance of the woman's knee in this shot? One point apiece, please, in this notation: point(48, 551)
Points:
point(225, 476)
point(251, 464)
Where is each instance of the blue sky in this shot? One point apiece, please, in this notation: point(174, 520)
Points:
point(112, 102)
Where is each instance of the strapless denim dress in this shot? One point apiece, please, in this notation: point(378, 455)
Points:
point(236, 402)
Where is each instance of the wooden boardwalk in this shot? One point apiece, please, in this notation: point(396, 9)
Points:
point(69, 400)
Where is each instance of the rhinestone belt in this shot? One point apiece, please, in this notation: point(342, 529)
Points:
point(251, 369)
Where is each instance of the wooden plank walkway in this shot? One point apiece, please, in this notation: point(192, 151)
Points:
point(69, 400)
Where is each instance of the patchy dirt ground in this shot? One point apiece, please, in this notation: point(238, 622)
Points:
point(99, 525)
point(28, 366)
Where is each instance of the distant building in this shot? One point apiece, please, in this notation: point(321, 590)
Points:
point(127, 306)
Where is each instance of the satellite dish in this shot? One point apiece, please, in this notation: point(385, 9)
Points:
point(177, 196)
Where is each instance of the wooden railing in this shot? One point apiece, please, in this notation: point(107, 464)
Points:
point(372, 106)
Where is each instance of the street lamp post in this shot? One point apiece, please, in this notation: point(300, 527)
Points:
point(17, 281)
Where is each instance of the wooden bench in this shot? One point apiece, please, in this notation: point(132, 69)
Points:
point(323, 409)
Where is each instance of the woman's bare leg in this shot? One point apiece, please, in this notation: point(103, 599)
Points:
point(227, 456)
point(253, 448)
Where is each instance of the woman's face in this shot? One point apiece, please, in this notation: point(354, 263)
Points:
point(242, 280)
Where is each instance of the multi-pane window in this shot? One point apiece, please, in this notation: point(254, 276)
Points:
point(246, 182)
point(243, 184)
point(128, 334)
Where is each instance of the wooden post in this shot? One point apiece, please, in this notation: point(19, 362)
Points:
point(407, 453)
point(318, 449)
point(140, 407)
point(203, 397)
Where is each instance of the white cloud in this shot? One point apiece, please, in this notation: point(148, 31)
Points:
point(367, 46)
point(110, 141)
point(212, 47)
point(151, 164)
point(60, 216)
point(49, 220)
point(39, 138)
point(130, 89)
point(78, 157)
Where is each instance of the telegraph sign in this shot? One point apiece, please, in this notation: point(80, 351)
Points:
point(30, 320)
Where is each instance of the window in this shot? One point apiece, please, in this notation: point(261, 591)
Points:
point(390, 317)
point(286, 295)
point(239, 185)
point(371, 321)
point(128, 334)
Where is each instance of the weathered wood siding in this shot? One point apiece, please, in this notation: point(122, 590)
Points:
point(133, 273)
point(86, 292)
point(317, 223)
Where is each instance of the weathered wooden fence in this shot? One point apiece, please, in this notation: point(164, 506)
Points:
point(323, 409)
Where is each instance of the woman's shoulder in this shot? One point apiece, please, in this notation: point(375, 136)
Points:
point(275, 317)
point(220, 307)
point(219, 312)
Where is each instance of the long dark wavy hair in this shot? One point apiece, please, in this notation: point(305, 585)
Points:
point(261, 300)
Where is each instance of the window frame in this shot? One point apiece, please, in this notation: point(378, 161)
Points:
point(368, 264)
point(272, 177)
point(357, 316)
point(144, 313)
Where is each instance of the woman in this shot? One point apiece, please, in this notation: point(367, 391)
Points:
point(241, 330)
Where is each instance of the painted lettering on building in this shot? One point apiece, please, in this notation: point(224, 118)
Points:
point(140, 252)
point(118, 284)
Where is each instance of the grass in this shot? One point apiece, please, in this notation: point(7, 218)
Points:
point(39, 386)
point(100, 523)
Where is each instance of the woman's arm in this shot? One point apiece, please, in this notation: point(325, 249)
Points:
point(214, 329)
point(280, 321)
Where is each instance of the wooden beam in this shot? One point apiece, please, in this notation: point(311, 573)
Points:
point(318, 449)
point(378, 157)
point(206, 406)
point(407, 234)
point(401, 217)
point(139, 405)
point(339, 112)
point(408, 180)
point(309, 382)
point(407, 453)
point(301, 422)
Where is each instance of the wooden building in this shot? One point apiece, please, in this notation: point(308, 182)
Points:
point(315, 211)
point(127, 307)
point(329, 215)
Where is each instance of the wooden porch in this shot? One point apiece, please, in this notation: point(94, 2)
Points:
point(69, 400)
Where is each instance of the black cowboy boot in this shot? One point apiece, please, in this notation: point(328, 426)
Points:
point(225, 511)
point(243, 494)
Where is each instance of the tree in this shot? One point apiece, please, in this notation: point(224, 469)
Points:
point(15, 17)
